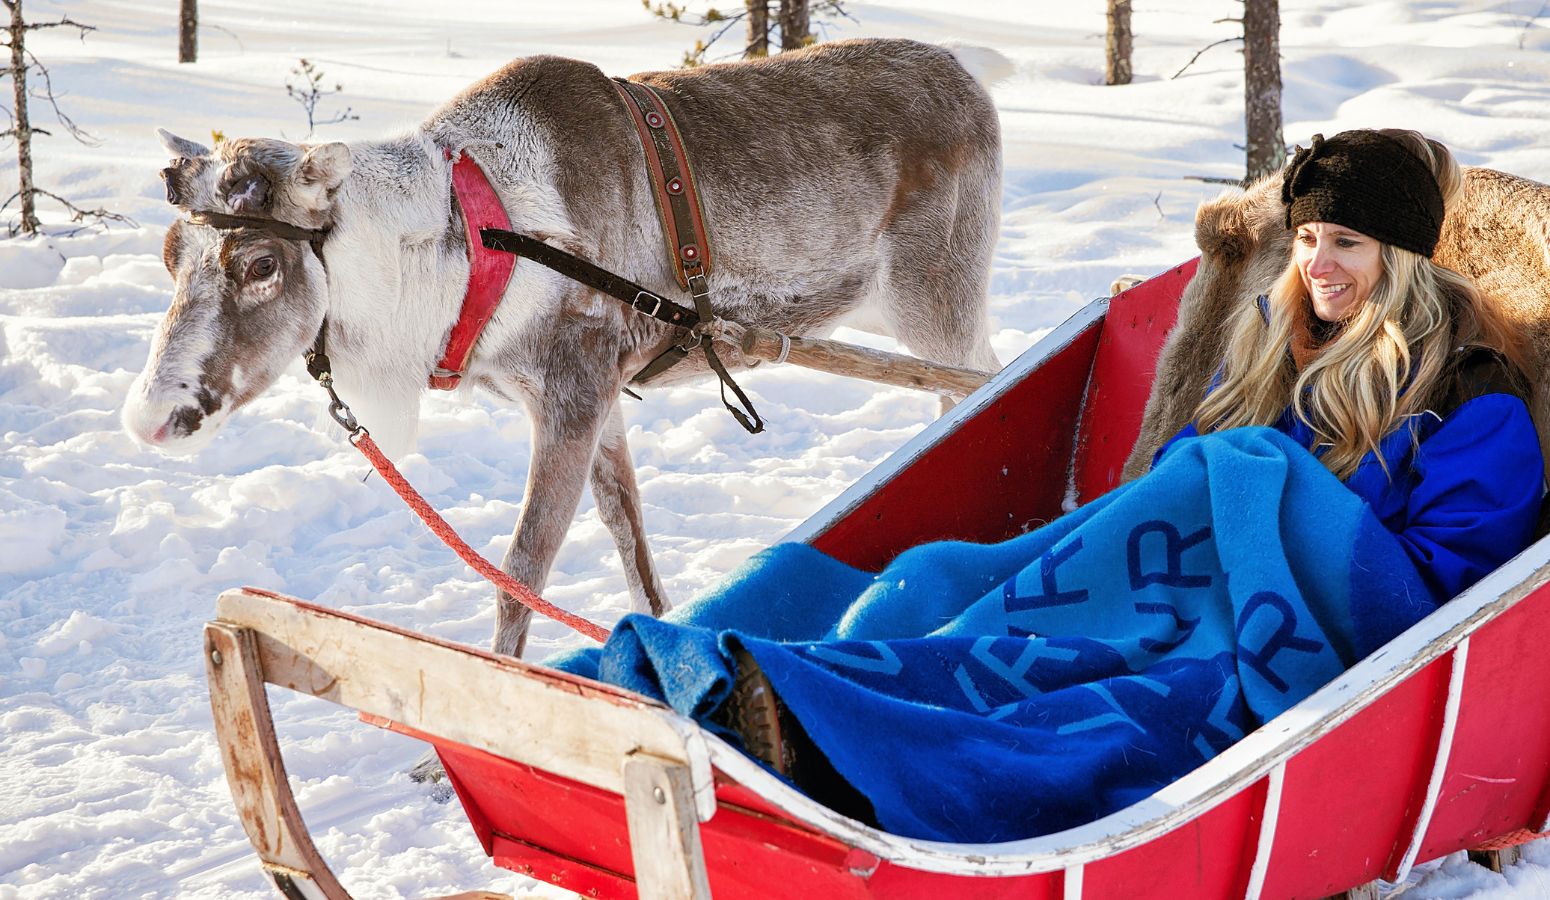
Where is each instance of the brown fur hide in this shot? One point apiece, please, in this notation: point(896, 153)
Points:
point(1497, 233)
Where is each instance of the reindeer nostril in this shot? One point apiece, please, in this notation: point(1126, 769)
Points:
point(182, 385)
point(172, 191)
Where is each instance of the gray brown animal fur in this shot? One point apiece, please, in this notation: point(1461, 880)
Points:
point(858, 176)
point(1497, 233)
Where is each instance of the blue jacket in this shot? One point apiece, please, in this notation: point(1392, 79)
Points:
point(1466, 483)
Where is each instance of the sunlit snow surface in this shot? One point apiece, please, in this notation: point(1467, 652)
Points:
point(111, 556)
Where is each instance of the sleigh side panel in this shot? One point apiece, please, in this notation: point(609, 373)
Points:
point(1498, 773)
point(994, 467)
point(1053, 427)
point(1350, 801)
point(1134, 331)
point(1208, 856)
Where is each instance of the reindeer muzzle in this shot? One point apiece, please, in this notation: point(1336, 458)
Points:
point(167, 176)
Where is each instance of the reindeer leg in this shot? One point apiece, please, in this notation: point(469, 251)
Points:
point(618, 505)
point(566, 420)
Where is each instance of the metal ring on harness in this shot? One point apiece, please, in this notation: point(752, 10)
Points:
point(693, 338)
point(785, 348)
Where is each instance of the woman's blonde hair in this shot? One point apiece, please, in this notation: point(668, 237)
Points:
point(1385, 364)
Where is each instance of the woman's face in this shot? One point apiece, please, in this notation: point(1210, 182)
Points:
point(1339, 267)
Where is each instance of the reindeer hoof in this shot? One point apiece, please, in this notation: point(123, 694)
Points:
point(428, 770)
point(1124, 283)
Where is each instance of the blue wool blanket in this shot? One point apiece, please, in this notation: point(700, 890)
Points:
point(981, 693)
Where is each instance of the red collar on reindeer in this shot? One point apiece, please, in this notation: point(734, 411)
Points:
point(489, 271)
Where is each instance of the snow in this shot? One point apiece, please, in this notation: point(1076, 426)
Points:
point(111, 555)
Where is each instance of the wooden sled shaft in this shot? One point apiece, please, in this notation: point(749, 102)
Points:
point(255, 771)
point(852, 361)
point(635, 748)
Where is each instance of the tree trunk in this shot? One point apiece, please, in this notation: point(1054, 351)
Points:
point(1262, 88)
point(758, 29)
point(1116, 67)
point(794, 23)
point(188, 31)
point(18, 30)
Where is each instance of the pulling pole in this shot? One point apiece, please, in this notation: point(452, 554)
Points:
point(856, 362)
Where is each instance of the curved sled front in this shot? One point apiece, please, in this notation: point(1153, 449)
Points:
point(1438, 741)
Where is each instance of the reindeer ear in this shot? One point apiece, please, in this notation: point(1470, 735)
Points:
point(181, 148)
point(325, 166)
point(322, 170)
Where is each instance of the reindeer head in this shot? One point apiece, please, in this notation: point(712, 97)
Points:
point(249, 296)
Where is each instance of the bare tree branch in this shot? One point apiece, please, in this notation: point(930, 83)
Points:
point(63, 22)
point(672, 11)
point(77, 214)
point(16, 132)
point(241, 47)
point(96, 217)
point(47, 93)
point(1202, 50)
point(701, 46)
point(1213, 179)
point(310, 92)
point(20, 61)
point(1529, 23)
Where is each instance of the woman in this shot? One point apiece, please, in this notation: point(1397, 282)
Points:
point(1394, 371)
point(992, 692)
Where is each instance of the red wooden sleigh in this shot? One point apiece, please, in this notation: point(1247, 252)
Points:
point(1439, 741)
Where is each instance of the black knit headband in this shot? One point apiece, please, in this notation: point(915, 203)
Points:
point(1367, 181)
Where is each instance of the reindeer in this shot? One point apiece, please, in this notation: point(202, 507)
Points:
point(858, 176)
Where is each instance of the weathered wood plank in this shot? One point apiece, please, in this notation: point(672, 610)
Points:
point(493, 703)
point(1368, 891)
point(851, 361)
point(254, 769)
point(664, 835)
point(1497, 860)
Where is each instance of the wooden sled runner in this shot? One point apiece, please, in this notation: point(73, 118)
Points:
point(1439, 741)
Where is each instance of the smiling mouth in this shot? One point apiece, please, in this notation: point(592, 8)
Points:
point(1330, 291)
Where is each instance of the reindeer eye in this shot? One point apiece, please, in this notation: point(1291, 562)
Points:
point(263, 267)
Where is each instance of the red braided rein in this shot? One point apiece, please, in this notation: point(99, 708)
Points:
point(433, 520)
point(1512, 839)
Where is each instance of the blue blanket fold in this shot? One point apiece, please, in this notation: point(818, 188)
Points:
point(982, 693)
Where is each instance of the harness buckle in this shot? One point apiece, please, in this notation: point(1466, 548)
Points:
point(702, 288)
point(655, 308)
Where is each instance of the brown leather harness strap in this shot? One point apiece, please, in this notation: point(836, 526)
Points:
point(683, 225)
point(672, 182)
point(677, 200)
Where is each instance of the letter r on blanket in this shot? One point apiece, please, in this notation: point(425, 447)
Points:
point(1284, 637)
